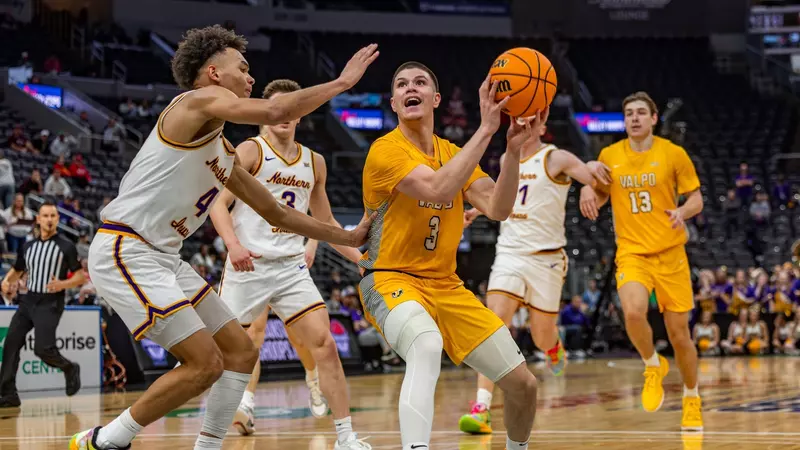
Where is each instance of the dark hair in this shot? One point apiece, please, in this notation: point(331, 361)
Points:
point(197, 47)
point(416, 65)
point(47, 202)
point(280, 86)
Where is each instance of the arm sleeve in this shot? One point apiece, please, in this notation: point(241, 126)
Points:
point(19, 264)
point(385, 167)
point(685, 173)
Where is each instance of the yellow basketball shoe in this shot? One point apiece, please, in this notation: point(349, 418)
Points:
point(478, 421)
point(692, 419)
point(653, 390)
point(87, 440)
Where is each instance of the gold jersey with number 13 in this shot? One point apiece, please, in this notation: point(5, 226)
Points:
point(644, 186)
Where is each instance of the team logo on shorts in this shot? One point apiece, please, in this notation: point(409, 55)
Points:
point(397, 293)
point(622, 276)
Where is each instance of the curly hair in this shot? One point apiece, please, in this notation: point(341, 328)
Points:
point(197, 47)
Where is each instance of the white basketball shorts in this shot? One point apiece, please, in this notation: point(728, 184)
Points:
point(284, 285)
point(534, 280)
point(156, 294)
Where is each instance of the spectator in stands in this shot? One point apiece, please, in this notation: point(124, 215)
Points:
point(83, 246)
point(144, 112)
point(113, 136)
point(591, 296)
point(744, 184)
point(20, 220)
point(455, 119)
point(203, 257)
point(782, 191)
point(7, 182)
point(79, 173)
point(84, 122)
point(128, 108)
point(721, 290)
point(367, 335)
point(87, 294)
point(698, 228)
point(72, 205)
point(42, 141)
point(60, 166)
point(760, 211)
point(19, 142)
point(336, 280)
point(24, 60)
point(52, 65)
point(106, 201)
point(783, 337)
point(573, 321)
point(762, 289)
point(741, 293)
point(732, 205)
point(33, 184)
point(703, 296)
point(734, 342)
point(161, 104)
point(706, 335)
point(63, 144)
point(57, 186)
point(756, 333)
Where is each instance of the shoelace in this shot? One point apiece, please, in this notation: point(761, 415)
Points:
point(316, 393)
point(362, 443)
point(650, 379)
point(693, 410)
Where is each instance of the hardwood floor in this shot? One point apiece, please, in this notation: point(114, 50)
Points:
point(748, 403)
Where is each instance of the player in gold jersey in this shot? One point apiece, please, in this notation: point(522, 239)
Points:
point(648, 173)
point(417, 184)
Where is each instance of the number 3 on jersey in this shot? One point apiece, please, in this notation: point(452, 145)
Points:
point(433, 239)
point(640, 202)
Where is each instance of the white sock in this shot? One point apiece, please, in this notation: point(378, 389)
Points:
point(249, 399)
point(207, 443)
point(514, 445)
point(344, 428)
point(221, 405)
point(120, 432)
point(652, 361)
point(423, 365)
point(690, 392)
point(485, 398)
point(416, 446)
point(312, 375)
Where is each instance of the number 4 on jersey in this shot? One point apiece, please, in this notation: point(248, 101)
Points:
point(640, 202)
point(205, 201)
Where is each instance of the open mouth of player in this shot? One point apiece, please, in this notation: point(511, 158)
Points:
point(412, 102)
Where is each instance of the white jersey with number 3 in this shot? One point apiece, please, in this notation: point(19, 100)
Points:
point(169, 188)
point(537, 222)
point(291, 182)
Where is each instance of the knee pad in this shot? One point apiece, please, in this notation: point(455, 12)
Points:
point(405, 323)
point(497, 356)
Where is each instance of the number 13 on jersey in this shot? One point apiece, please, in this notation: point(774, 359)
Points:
point(640, 202)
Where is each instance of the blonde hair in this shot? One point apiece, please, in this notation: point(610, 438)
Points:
point(641, 96)
point(283, 86)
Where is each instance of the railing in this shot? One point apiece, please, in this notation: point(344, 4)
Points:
point(778, 71)
point(78, 40)
point(325, 66)
point(98, 53)
point(118, 71)
point(306, 45)
point(86, 224)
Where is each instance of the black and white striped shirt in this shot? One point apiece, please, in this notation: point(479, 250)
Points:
point(46, 259)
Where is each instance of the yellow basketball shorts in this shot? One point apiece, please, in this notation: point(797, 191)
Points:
point(667, 273)
point(462, 319)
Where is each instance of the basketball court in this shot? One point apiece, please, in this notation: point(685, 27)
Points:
point(748, 403)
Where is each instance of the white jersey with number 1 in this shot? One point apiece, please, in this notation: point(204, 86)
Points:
point(531, 264)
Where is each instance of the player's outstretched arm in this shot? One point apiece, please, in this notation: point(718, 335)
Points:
point(320, 208)
point(241, 258)
point(563, 162)
point(441, 186)
point(246, 188)
point(216, 102)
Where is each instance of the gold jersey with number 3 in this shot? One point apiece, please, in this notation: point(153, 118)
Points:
point(411, 236)
point(645, 185)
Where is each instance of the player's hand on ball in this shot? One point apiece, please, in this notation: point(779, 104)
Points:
point(490, 109)
point(360, 233)
point(676, 217)
point(600, 172)
point(470, 216)
point(588, 203)
point(241, 258)
point(358, 64)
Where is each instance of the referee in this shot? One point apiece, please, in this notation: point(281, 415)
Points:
point(47, 259)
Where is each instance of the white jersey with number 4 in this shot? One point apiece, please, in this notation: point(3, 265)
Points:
point(291, 182)
point(537, 222)
point(169, 188)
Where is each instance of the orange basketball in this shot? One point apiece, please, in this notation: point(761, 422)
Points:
point(528, 77)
